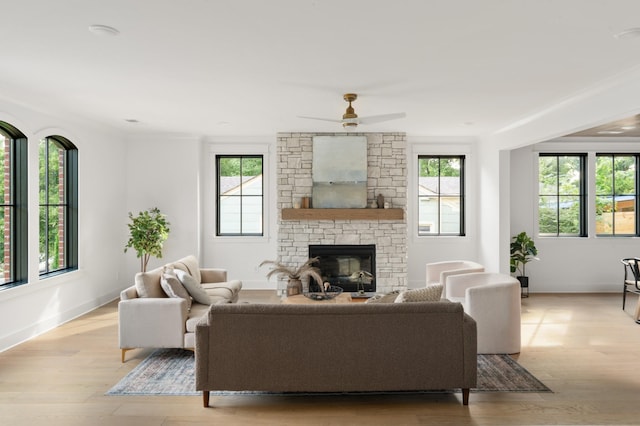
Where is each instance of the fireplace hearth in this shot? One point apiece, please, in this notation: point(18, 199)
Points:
point(352, 267)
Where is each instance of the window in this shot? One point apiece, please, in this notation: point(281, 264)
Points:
point(58, 205)
point(13, 217)
point(616, 200)
point(239, 195)
point(441, 195)
point(562, 194)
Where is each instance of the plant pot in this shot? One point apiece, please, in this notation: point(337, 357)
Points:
point(524, 286)
point(294, 287)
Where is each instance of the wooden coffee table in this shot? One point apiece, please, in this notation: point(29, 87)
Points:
point(300, 299)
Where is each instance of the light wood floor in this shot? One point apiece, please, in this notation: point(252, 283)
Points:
point(584, 347)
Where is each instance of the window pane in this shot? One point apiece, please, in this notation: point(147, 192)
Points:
point(450, 215)
point(428, 216)
point(548, 215)
point(569, 175)
point(5, 260)
point(569, 215)
point(548, 176)
point(625, 215)
point(604, 215)
point(252, 215)
point(625, 174)
point(229, 215)
point(604, 175)
point(252, 185)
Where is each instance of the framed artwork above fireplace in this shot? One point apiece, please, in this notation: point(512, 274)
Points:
point(339, 172)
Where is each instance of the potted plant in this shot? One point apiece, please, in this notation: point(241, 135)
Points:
point(296, 276)
point(523, 251)
point(147, 233)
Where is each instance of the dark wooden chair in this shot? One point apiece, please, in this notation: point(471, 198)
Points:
point(631, 282)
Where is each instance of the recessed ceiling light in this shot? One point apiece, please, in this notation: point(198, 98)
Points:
point(103, 30)
point(628, 127)
point(610, 132)
point(628, 33)
point(131, 120)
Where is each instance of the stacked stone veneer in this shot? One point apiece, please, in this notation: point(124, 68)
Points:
point(387, 175)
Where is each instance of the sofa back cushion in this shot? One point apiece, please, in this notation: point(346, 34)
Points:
point(148, 283)
point(189, 264)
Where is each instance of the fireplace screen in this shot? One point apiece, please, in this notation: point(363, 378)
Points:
point(351, 267)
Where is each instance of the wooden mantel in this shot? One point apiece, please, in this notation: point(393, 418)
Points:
point(342, 214)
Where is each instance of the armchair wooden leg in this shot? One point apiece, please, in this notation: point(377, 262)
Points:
point(465, 396)
point(205, 399)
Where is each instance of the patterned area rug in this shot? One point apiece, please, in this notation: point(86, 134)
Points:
point(171, 372)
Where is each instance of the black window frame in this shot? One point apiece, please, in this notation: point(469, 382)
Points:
point(19, 206)
point(70, 206)
point(583, 196)
point(219, 195)
point(463, 200)
point(636, 157)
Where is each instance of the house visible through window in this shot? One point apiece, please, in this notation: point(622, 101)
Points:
point(239, 195)
point(562, 195)
point(616, 194)
point(58, 205)
point(13, 216)
point(441, 195)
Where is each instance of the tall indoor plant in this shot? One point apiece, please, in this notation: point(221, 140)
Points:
point(147, 233)
point(523, 251)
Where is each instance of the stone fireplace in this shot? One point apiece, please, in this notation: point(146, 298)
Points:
point(386, 175)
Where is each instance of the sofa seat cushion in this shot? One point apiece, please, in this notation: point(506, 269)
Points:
point(198, 310)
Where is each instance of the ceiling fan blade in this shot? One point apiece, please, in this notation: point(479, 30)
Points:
point(321, 119)
point(379, 118)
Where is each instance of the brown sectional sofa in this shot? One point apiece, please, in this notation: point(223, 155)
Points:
point(336, 348)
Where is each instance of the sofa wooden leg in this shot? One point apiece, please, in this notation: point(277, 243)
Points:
point(124, 351)
point(465, 396)
point(205, 399)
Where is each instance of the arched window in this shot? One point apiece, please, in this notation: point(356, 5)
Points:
point(58, 205)
point(13, 216)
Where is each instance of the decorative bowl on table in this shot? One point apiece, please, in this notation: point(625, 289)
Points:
point(330, 293)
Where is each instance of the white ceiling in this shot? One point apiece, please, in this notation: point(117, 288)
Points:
point(250, 67)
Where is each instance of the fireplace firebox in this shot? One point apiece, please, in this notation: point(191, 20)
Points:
point(352, 267)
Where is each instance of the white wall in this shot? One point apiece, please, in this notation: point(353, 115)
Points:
point(41, 304)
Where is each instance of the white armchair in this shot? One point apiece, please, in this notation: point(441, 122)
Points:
point(437, 272)
point(493, 300)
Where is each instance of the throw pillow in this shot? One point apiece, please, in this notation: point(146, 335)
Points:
point(174, 288)
point(148, 284)
point(431, 293)
point(384, 298)
point(194, 288)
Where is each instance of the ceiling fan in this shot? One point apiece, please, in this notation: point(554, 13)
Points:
point(350, 119)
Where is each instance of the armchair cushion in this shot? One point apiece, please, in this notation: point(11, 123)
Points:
point(194, 288)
